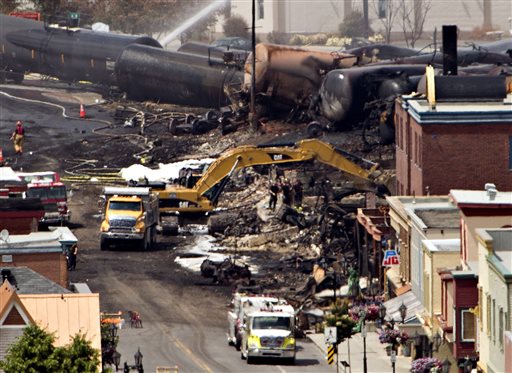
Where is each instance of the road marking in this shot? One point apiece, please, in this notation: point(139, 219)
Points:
point(281, 369)
point(192, 356)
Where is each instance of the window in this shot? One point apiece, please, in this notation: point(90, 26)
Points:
point(468, 331)
point(500, 328)
point(383, 8)
point(493, 320)
point(261, 9)
point(488, 315)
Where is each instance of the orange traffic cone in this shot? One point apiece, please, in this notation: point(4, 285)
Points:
point(82, 111)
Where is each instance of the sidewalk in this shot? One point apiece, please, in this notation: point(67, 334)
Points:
point(377, 360)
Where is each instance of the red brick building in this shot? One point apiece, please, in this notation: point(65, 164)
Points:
point(43, 252)
point(457, 145)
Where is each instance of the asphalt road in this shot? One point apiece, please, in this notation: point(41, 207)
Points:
point(184, 316)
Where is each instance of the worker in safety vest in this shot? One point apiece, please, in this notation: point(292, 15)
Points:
point(18, 136)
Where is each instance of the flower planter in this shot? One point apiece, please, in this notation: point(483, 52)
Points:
point(388, 350)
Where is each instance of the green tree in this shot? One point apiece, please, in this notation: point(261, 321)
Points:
point(340, 318)
point(34, 352)
point(353, 25)
point(236, 26)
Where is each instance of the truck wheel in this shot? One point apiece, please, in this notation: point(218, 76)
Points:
point(290, 361)
point(250, 359)
point(104, 244)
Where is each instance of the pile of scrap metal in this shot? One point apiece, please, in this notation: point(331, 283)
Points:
point(226, 272)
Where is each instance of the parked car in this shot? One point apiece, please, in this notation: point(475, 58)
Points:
point(234, 42)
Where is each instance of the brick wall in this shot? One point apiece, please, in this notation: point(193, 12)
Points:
point(440, 157)
point(466, 156)
point(19, 225)
point(401, 143)
point(50, 265)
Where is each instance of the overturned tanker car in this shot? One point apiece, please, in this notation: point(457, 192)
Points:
point(139, 66)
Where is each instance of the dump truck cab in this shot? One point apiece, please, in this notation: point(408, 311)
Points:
point(130, 215)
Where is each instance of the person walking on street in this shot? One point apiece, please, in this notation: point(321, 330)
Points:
point(73, 252)
point(18, 136)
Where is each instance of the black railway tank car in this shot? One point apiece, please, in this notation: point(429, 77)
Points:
point(64, 53)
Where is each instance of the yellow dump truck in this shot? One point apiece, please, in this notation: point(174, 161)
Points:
point(130, 216)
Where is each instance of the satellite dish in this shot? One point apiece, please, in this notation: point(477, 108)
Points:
point(4, 235)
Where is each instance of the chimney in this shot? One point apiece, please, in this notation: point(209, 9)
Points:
point(6, 275)
point(491, 190)
point(449, 50)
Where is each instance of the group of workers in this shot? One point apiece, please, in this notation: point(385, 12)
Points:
point(292, 193)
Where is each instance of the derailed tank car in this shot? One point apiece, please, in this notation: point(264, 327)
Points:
point(345, 93)
point(286, 76)
point(180, 78)
point(139, 66)
point(67, 54)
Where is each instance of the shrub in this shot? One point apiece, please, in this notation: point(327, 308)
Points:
point(236, 26)
point(278, 38)
point(353, 25)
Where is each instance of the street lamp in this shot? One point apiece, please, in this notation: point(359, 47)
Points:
point(363, 334)
point(116, 357)
point(138, 361)
point(446, 366)
point(382, 312)
point(436, 343)
point(403, 311)
point(112, 329)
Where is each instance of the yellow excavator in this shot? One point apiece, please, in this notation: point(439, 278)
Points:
point(201, 199)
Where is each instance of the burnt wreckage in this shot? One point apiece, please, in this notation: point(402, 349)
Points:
point(332, 90)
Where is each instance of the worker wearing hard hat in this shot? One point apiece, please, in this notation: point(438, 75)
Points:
point(18, 136)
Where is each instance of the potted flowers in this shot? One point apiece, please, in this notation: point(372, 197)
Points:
point(393, 337)
point(426, 365)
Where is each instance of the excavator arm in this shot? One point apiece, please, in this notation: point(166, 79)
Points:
point(305, 150)
point(203, 196)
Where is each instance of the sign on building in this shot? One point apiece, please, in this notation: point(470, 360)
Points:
point(391, 258)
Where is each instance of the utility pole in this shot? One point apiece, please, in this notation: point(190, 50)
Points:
point(252, 115)
point(365, 17)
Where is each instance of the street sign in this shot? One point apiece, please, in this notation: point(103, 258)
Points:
point(391, 258)
point(331, 350)
point(330, 335)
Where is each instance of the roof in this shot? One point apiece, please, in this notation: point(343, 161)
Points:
point(8, 298)
point(413, 305)
point(439, 218)
point(401, 203)
point(477, 112)
point(38, 241)
point(66, 315)
point(444, 245)
point(481, 197)
point(28, 281)
point(501, 241)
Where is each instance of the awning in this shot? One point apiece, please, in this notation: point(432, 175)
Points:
point(413, 305)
